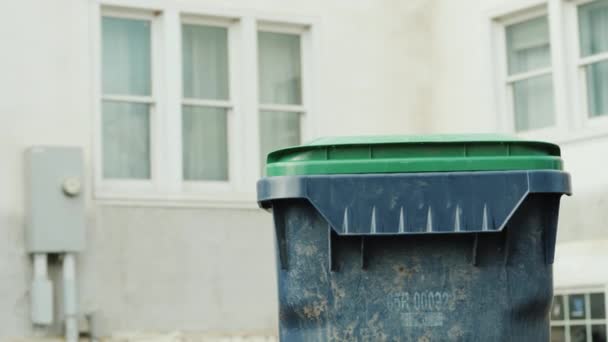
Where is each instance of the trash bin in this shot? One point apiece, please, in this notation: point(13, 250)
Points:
point(436, 238)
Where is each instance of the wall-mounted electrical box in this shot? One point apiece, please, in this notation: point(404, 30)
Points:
point(55, 199)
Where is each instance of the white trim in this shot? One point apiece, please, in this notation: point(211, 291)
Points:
point(497, 55)
point(101, 184)
point(307, 67)
point(201, 187)
point(166, 188)
point(249, 87)
point(234, 201)
point(529, 74)
point(282, 108)
point(578, 72)
point(235, 113)
point(580, 289)
point(128, 12)
point(562, 102)
point(281, 27)
point(499, 20)
point(588, 322)
point(513, 8)
point(206, 20)
point(573, 123)
point(537, 9)
point(311, 49)
point(95, 56)
point(128, 98)
point(173, 93)
point(207, 103)
point(579, 2)
point(592, 59)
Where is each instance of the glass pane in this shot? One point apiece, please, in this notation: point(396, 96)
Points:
point(126, 140)
point(280, 68)
point(593, 27)
point(597, 88)
point(278, 130)
point(205, 62)
point(557, 310)
point(577, 306)
point(528, 45)
point(126, 56)
point(558, 334)
point(578, 333)
point(598, 333)
point(598, 305)
point(533, 103)
point(205, 143)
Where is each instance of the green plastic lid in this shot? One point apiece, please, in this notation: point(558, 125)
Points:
point(400, 154)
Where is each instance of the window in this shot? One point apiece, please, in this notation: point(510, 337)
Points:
point(579, 317)
point(127, 97)
point(186, 101)
point(206, 102)
point(553, 58)
point(593, 30)
point(280, 90)
point(529, 74)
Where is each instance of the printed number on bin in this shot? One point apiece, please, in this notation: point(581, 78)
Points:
point(419, 301)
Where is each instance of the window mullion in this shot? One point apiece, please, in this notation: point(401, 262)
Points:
point(128, 98)
point(567, 316)
point(588, 316)
point(157, 111)
point(529, 74)
point(282, 108)
point(561, 92)
point(207, 103)
point(172, 142)
point(583, 61)
point(249, 100)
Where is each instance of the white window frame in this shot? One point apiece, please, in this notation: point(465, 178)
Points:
point(499, 21)
point(155, 100)
point(587, 321)
point(569, 84)
point(303, 110)
point(194, 187)
point(166, 186)
point(578, 73)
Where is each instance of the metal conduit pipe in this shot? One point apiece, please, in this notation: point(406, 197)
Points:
point(70, 304)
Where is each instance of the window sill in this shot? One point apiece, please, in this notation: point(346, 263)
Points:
point(567, 137)
point(221, 201)
point(582, 136)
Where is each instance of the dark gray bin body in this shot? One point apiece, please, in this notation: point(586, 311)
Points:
point(415, 257)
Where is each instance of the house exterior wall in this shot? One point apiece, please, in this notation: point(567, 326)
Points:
point(155, 266)
point(384, 67)
point(464, 89)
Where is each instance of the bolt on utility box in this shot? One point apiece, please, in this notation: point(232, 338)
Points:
point(423, 238)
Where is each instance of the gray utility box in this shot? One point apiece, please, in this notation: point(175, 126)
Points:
point(55, 199)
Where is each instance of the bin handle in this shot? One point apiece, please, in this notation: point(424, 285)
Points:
point(415, 203)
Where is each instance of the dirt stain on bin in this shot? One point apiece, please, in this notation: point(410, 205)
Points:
point(404, 272)
point(455, 333)
point(314, 310)
point(424, 338)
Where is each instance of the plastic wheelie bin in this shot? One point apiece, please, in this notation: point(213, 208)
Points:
point(428, 238)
